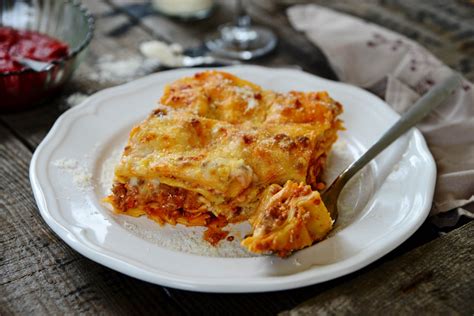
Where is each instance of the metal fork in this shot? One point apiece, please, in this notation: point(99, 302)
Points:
point(417, 112)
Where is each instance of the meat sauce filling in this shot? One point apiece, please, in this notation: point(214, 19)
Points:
point(174, 206)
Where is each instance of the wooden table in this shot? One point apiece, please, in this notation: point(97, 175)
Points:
point(431, 272)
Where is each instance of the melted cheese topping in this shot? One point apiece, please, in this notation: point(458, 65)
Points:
point(222, 96)
point(215, 158)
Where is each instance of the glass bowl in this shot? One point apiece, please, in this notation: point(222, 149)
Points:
point(66, 20)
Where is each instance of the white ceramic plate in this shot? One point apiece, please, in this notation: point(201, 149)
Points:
point(380, 209)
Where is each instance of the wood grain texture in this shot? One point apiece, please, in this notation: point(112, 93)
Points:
point(434, 279)
point(40, 274)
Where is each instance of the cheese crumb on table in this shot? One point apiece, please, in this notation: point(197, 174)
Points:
point(112, 69)
point(167, 55)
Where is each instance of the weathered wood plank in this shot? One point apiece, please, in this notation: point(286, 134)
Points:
point(433, 279)
point(40, 274)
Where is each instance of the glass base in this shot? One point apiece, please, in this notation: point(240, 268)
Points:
point(241, 42)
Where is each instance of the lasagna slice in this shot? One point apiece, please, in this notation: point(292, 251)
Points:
point(217, 146)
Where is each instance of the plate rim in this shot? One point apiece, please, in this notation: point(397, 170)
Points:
point(220, 285)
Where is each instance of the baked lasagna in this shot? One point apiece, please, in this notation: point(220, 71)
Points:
point(219, 149)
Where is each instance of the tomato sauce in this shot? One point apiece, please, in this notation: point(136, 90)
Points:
point(215, 232)
point(28, 44)
point(19, 90)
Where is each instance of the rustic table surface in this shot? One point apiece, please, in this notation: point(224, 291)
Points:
point(40, 274)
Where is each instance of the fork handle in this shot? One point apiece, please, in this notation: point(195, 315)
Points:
point(418, 111)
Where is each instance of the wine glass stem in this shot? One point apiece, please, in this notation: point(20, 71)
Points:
point(243, 19)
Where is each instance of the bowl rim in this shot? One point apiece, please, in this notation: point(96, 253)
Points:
point(90, 33)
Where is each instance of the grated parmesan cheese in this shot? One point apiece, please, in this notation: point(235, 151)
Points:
point(107, 172)
point(133, 181)
point(110, 69)
point(244, 92)
point(248, 96)
point(251, 104)
point(187, 239)
point(81, 177)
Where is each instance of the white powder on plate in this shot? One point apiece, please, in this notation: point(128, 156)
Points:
point(187, 239)
point(81, 177)
point(107, 172)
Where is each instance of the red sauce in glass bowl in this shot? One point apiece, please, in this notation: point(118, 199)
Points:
point(28, 44)
point(21, 87)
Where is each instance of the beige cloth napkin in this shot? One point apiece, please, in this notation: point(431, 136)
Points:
point(400, 71)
